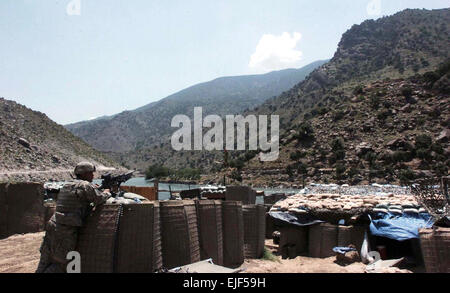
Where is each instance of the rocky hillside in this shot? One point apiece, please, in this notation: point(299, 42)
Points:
point(150, 125)
point(31, 142)
point(378, 111)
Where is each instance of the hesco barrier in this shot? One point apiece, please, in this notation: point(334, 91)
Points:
point(149, 193)
point(270, 225)
point(180, 244)
point(293, 236)
point(21, 208)
point(209, 214)
point(322, 240)
point(135, 240)
point(254, 230)
point(435, 245)
point(244, 194)
point(3, 212)
point(233, 234)
point(97, 240)
point(351, 235)
point(157, 248)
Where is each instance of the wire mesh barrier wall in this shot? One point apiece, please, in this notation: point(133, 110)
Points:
point(97, 240)
point(135, 239)
point(322, 239)
point(233, 234)
point(351, 235)
point(21, 208)
point(254, 230)
point(180, 244)
point(209, 214)
point(435, 245)
point(157, 246)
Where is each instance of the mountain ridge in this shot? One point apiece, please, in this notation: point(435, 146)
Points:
point(147, 125)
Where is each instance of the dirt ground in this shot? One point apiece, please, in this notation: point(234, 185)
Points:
point(20, 253)
point(300, 264)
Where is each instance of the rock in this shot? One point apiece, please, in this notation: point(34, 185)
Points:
point(444, 136)
point(348, 258)
point(23, 142)
point(363, 148)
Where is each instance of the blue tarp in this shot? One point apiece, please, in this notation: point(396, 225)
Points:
point(343, 250)
point(399, 227)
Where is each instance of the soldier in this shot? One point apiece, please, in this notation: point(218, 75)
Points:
point(75, 201)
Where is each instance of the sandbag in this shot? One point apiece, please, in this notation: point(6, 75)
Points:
point(435, 244)
point(25, 205)
point(97, 240)
point(180, 244)
point(209, 213)
point(322, 240)
point(254, 230)
point(233, 234)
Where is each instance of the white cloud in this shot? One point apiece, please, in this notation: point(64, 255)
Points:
point(276, 52)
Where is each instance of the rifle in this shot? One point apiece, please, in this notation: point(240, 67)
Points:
point(113, 182)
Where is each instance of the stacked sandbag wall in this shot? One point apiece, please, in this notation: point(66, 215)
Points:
point(180, 243)
point(209, 213)
point(435, 244)
point(254, 230)
point(233, 234)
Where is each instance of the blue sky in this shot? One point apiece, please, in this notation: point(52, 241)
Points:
point(120, 55)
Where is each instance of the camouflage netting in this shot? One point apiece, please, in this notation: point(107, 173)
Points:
point(180, 244)
point(210, 230)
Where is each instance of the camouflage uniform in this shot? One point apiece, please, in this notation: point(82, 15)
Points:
point(75, 202)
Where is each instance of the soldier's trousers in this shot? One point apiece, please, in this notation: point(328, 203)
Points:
point(58, 241)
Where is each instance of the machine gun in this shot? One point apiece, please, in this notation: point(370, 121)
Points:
point(113, 182)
